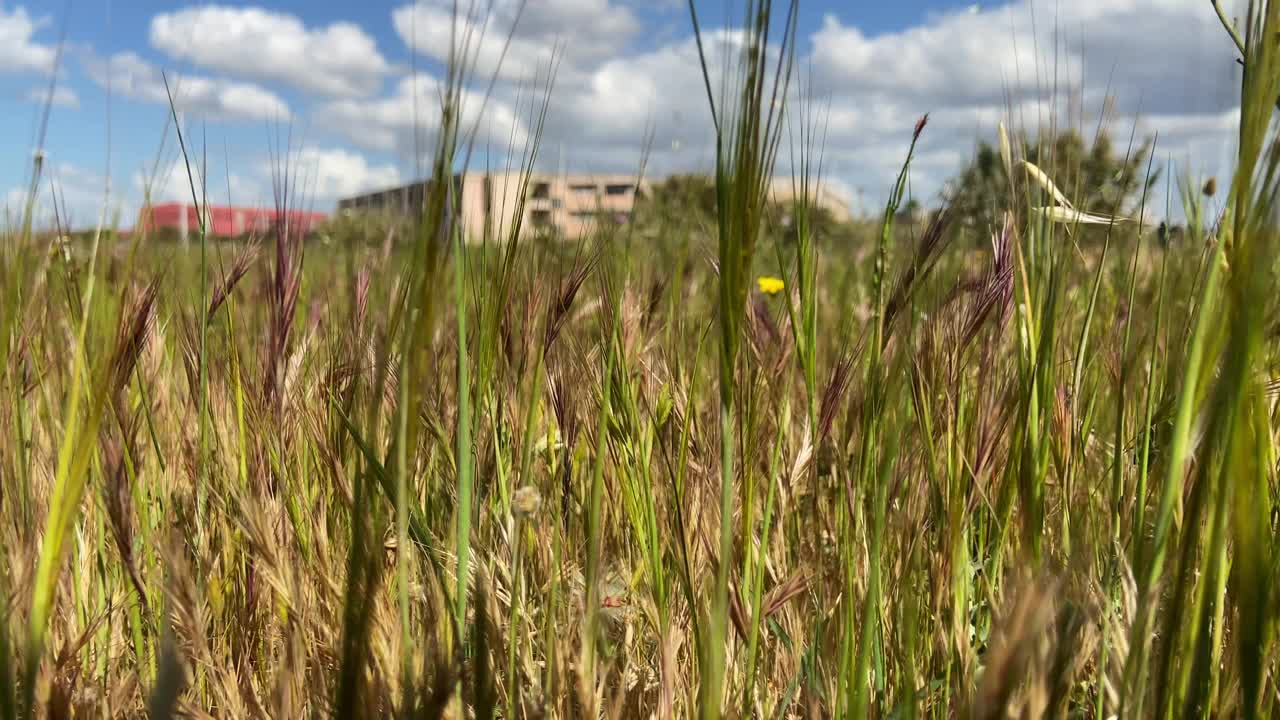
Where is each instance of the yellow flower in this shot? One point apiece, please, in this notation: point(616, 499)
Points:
point(769, 285)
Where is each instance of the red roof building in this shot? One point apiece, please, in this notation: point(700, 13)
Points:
point(223, 221)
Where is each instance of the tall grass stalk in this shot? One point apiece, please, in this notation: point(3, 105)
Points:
point(807, 141)
point(871, 471)
point(79, 444)
point(1232, 436)
point(590, 688)
point(463, 457)
point(748, 125)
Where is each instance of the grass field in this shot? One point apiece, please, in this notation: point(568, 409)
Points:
point(1027, 470)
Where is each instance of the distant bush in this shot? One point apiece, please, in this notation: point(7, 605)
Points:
point(1099, 178)
point(357, 227)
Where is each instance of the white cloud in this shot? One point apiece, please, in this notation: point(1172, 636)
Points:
point(1024, 48)
point(410, 117)
point(83, 199)
point(1029, 62)
point(15, 201)
point(960, 57)
point(172, 184)
point(318, 177)
point(169, 184)
point(63, 97)
point(1201, 144)
point(86, 196)
point(18, 51)
point(653, 102)
point(332, 173)
point(586, 32)
point(128, 74)
point(338, 60)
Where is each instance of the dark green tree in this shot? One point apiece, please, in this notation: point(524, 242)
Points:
point(1102, 177)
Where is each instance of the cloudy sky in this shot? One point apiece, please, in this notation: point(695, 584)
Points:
point(350, 87)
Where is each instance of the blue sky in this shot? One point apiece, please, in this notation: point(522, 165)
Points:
point(333, 81)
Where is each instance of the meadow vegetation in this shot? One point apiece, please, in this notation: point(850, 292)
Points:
point(1017, 460)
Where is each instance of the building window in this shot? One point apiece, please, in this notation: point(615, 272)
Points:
point(541, 190)
point(619, 189)
point(540, 218)
point(583, 188)
point(583, 214)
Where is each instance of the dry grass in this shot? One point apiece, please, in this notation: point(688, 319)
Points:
point(1027, 479)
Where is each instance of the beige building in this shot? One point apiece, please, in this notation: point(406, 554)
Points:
point(571, 206)
point(783, 190)
point(568, 205)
